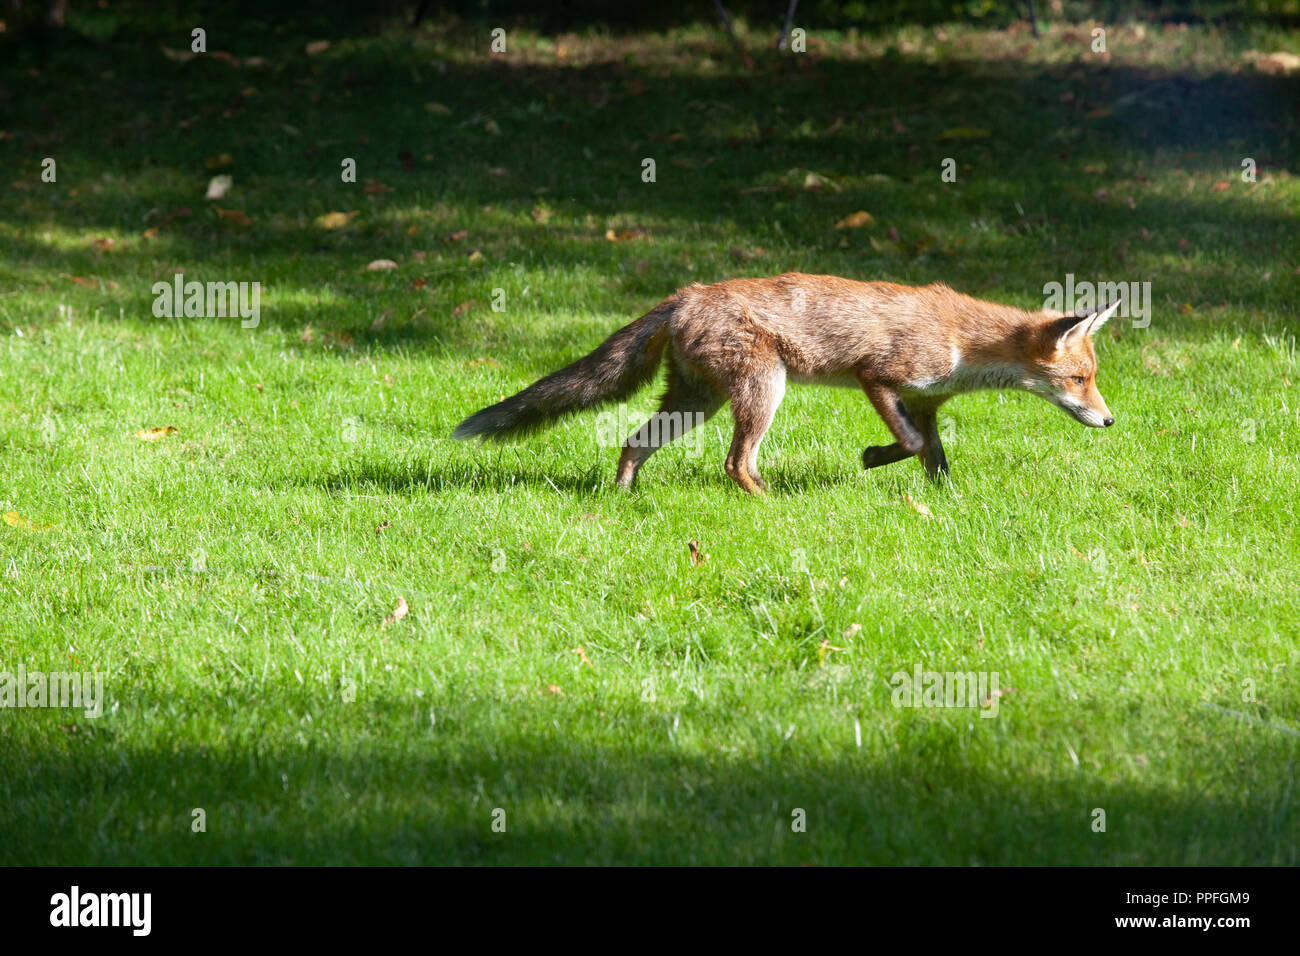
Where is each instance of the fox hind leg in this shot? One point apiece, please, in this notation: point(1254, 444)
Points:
point(689, 402)
point(754, 401)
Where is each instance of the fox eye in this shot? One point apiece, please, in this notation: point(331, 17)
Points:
point(1078, 380)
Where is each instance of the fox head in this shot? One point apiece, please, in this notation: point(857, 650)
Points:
point(1065, 367)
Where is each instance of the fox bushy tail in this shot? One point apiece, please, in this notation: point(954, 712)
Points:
point(618, 367)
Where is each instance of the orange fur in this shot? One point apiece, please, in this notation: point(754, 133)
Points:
point(908, 348)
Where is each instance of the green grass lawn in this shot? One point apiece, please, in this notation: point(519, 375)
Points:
point(563, 659)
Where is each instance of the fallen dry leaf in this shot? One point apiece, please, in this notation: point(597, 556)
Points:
point(855, 220)
point(437, 108)
point(399, 612)
point(217, 162)
point(917, 506)
point(696, 557)
point(15, 520)
point(218, 186)
point(824, 649)
point(155, 434)
point(1274, 62)
point(79, 280)
point(995, 693)
point(149, 234)
point(317, 46)
point(456, 236)
point(554, 689)
point(336, 220)
point(237, 216)
point(625, 235)
point(582, 653)
point(104, 244)
point(816, 183)
point(381, 265)
point(464, 307)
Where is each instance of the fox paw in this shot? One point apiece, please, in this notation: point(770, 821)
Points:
point(873, 456)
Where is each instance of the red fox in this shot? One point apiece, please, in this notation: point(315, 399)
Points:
point(909, 348)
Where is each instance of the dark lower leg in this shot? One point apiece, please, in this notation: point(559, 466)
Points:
point(932, 457)
point(874, 456)
point(889, 406)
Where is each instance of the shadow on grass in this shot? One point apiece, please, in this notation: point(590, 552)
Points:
point(1044, 193)
point(407, 796)
point(491, 469)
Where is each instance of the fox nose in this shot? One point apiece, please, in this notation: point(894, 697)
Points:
point(1108, 421)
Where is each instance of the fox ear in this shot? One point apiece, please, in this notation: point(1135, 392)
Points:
point(1102, 315)
point(1070, 329)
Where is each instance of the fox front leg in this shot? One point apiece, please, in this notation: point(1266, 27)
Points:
point(926, 417)
point(890, 407)
point(926, 420)
point(873, 456)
